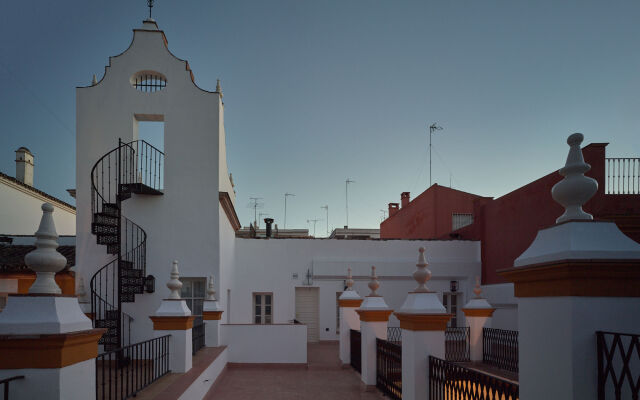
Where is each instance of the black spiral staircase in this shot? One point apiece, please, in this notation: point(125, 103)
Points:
point(131, 168)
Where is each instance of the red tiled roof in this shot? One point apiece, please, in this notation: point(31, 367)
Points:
point(12, 257)
point(31, 188)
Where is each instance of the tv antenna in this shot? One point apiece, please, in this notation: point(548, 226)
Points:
point(384, 214)
point(346, 198)
point(255, 204)
point(260, 215)
point(433, 128)
point(150, 5)
point(326, 208)
point(285, 207)
point(314, 224)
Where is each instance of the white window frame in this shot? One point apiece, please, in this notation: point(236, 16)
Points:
point(265, 318)
point(461, 225)
point(192, 298)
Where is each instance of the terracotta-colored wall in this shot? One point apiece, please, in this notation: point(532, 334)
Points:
point(429, 215)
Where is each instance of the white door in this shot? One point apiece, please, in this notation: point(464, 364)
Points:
point(307, 310)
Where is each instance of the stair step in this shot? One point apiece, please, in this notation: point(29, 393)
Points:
point(105, 219)
point(132, 273)
point(107, 239)
point(110, 209)
point(104, 229)
point(131, 289)
point(139, 188)
point(131, 281)
point(127, 297)
point(113, 249)
point(106, 323)
point(124, 264)
point(112, 314)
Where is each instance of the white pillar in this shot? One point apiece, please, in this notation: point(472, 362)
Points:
point(423, 320)
point(174, 318)
point(211, 316)
point(348, 302)
point(374, 318)
point(45, 336)
point(577, 277)
point(478, 313)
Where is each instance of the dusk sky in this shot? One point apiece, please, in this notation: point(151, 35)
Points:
point(317, 92)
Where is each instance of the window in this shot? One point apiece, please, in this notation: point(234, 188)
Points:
point(461, 220)
point(450, 302)
point(262, 308)
point(193, 292)
point(3, 301)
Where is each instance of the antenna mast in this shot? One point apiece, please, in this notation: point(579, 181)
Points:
point(346, 197)
point(255, 204)
point(326, 208)
point(434, 127)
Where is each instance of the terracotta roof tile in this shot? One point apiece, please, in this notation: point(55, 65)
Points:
point(12, 257)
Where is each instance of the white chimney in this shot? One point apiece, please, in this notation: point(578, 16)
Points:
point(24, 166)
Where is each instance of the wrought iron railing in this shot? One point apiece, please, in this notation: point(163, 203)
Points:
point(122, 373)
point(197, 335)
point(456, 344)
point(394, 334)
point(355, 343)
point(452, 381)
point(4, 383)
point(623, 176)
point(500, 348)
point(389, 368)
point(618, 366)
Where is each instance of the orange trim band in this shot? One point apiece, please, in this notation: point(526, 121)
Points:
point(212, 315)
point(589, 278)
point(162, 323)
point(478, 312)
point(423, 322)
point(349, 302)
point(49, 351)
point(374, 315)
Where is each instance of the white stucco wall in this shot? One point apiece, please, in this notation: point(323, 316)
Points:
point(225, 278)
point(250, 343)
point(501, 297)
point(182, 224)
point(267, 265)
point(20, 211)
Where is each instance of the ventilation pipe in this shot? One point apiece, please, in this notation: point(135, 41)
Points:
point(268, 222)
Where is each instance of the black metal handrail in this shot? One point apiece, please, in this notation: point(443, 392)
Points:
point(623, 175)
point(394, 334)
point(500, 348)
point(448, 380)
point(618, 364)
point(456, 344)
point(122, 373)
point(197, 335)
point(355, 341)
point(389, 368)
point(5, 384)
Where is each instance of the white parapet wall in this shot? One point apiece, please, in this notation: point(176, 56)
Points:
point(272, 343)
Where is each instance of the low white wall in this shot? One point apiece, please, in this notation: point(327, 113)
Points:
point(277, 343)
point(207, 378)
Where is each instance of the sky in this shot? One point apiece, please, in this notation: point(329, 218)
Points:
point(317, 92)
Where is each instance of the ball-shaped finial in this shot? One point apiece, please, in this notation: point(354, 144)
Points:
point(477, 290)
point(211, 291)
point(349, 281)
point(575, 189)
point(422, 274)
point(174, 283)
point(45, 260)
point(373, 284)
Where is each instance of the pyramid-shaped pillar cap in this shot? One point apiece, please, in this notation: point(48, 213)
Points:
point(421, 300)
point(349, 293)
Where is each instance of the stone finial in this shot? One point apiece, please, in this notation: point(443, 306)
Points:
point(575, 189)
point(422, 274)
point(349, 280)
point(94, 81)
point(45, 260)
point(174, 283)
point(374, 284)
point(211, 291)
point(477, 289)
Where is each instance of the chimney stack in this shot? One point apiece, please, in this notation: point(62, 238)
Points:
point(405, 199)
point(24, 166)
point(268, 222)
point(393, 209)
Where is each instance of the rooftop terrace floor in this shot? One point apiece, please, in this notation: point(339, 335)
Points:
point(324, 378)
